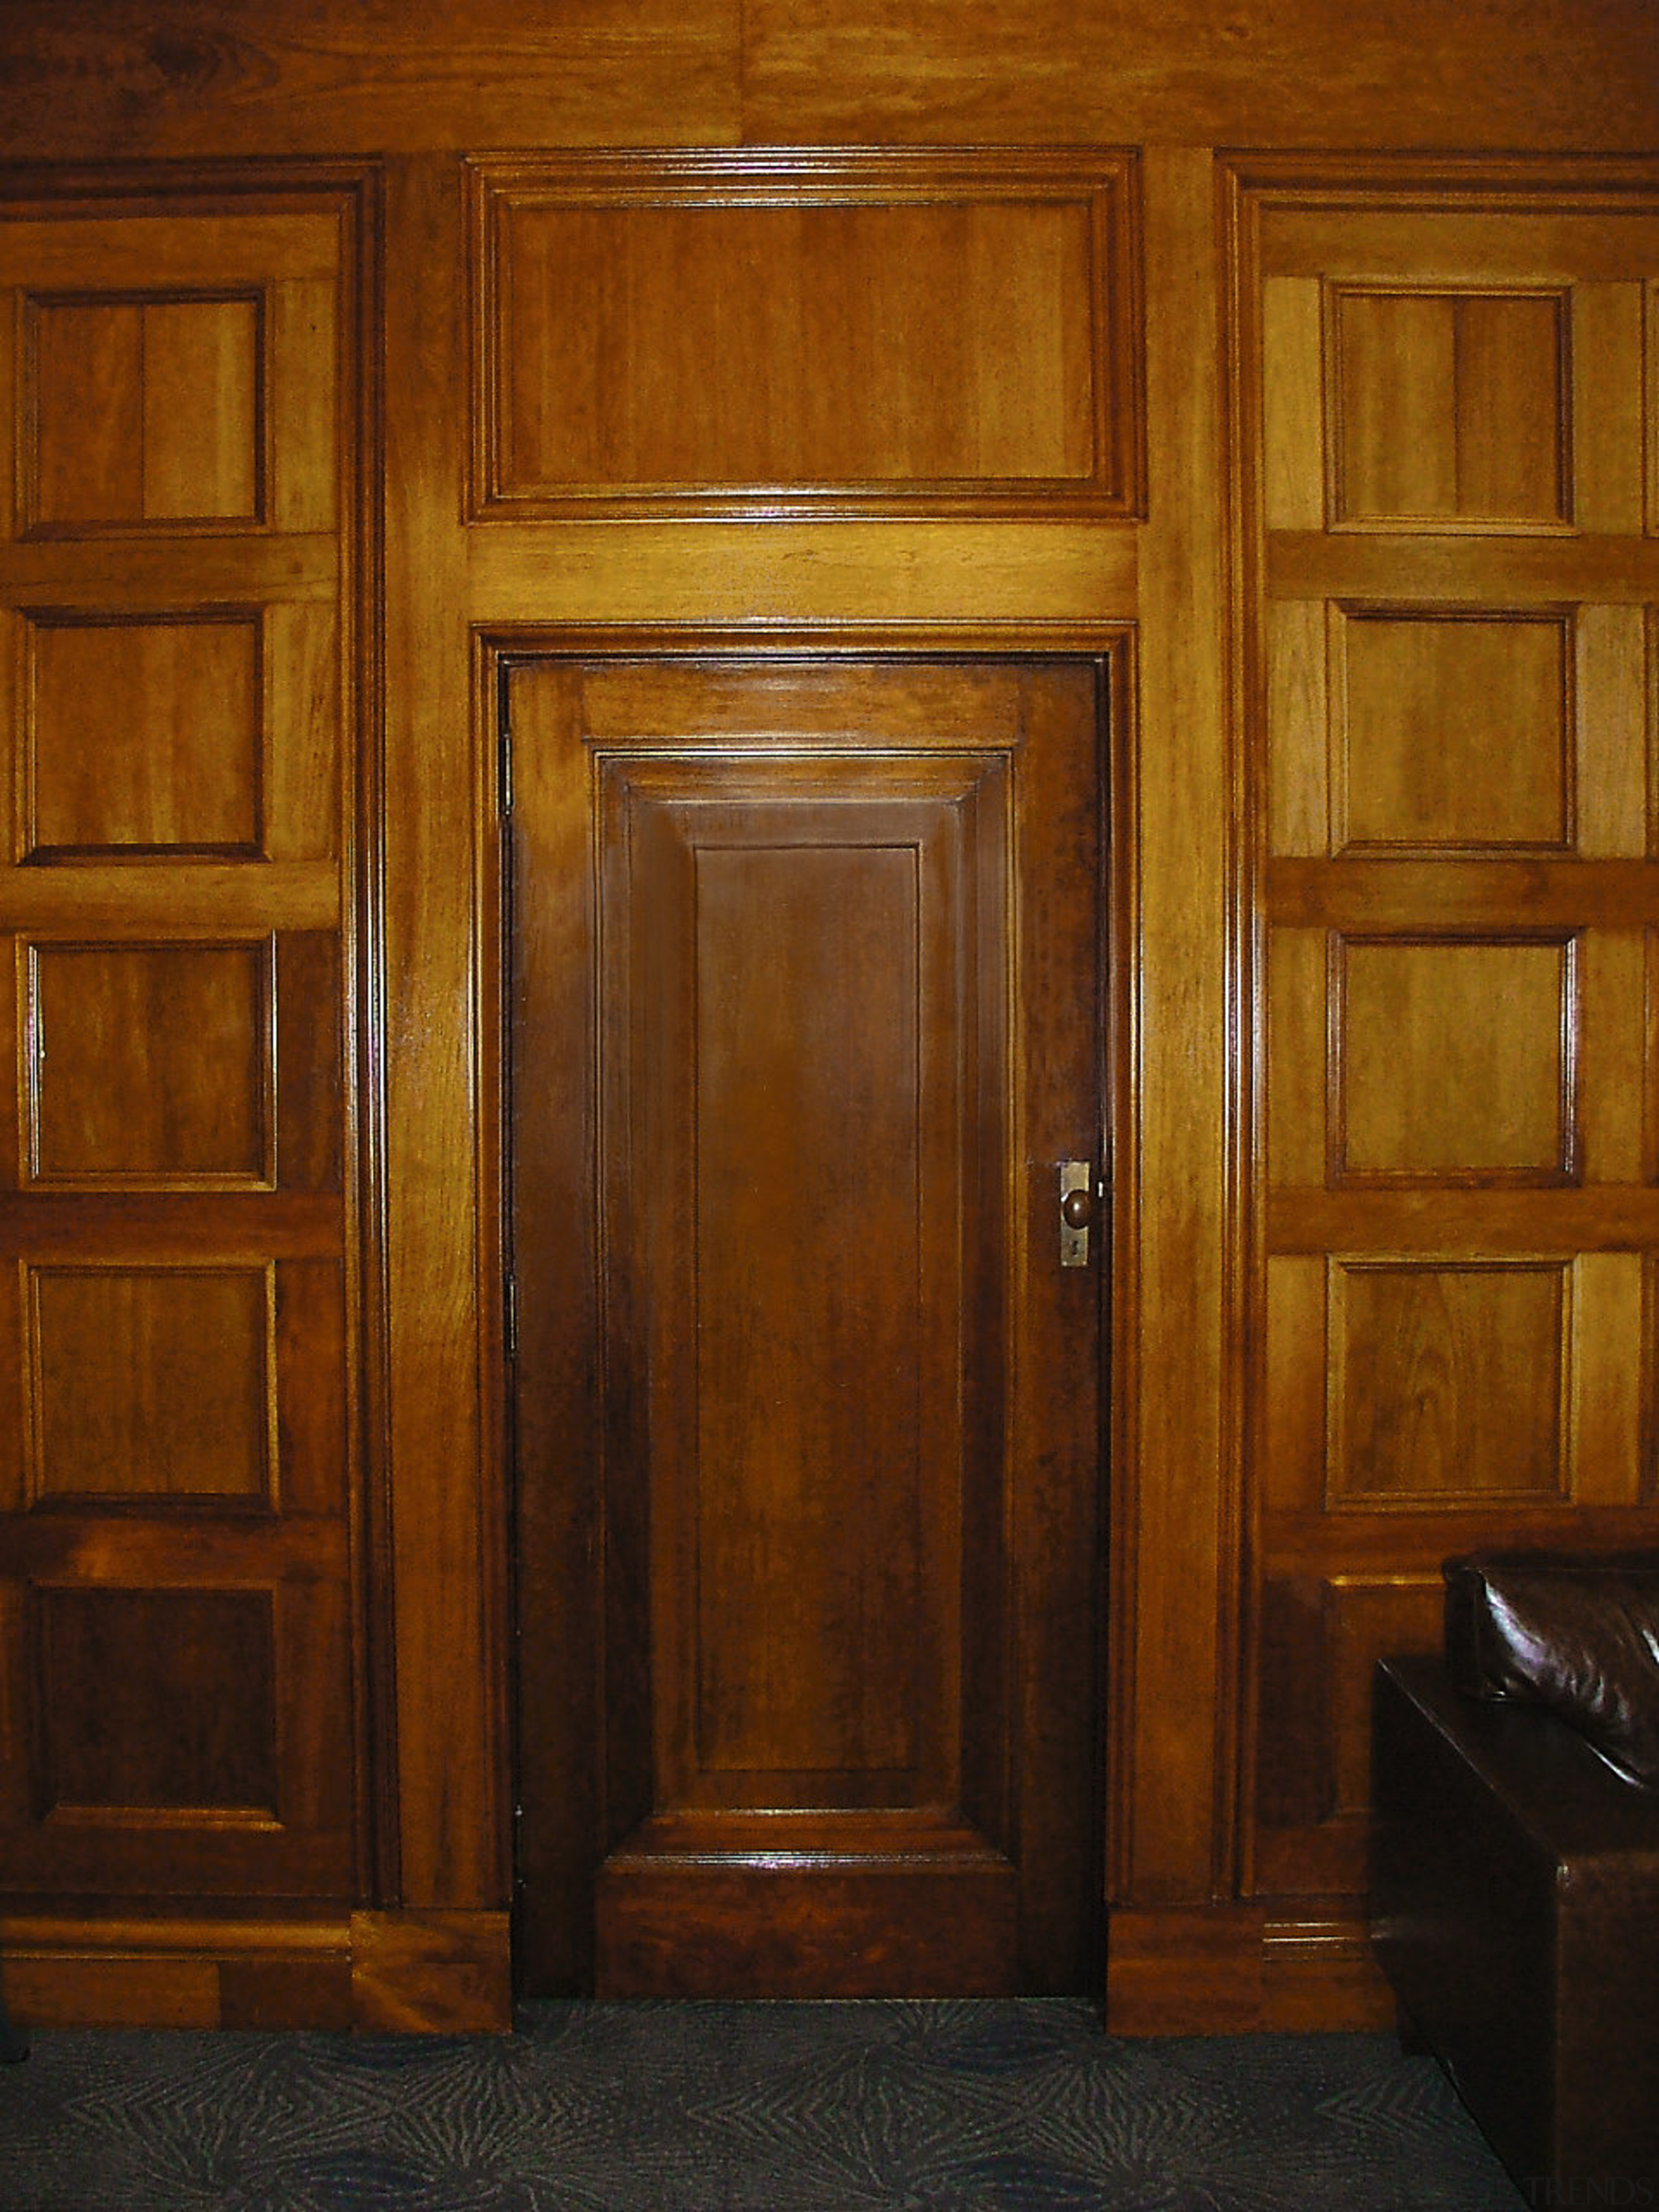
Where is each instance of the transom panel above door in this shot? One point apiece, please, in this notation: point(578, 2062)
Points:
point(805, 1009)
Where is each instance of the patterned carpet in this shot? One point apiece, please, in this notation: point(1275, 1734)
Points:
point(855, 2107)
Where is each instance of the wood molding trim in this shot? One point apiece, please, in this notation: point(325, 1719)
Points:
point(432, 1973)
point(443, 1972)
point(1235, 1970)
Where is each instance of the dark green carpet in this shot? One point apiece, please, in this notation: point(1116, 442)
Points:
point(862, 2107)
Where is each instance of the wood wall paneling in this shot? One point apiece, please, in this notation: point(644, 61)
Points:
point(884, 335)
point(183, 1718)
point(196, 541)
point(836, 73)
point(447, 1825)
point(1450, 733)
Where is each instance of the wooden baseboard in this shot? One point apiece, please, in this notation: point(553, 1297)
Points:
point(1238, 1970)
point(1223, 1970)
point(432, 1973)
point(419, 1972)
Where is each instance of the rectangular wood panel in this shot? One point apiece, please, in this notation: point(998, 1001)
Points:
point(147, 411)
point(1453, 1059)
point(1321, 1638)
point(807, 1592)
point(158, 1701)
point(901, 333)
point(1430, 702)
point(150, 1064)
point(1448, 1382)
point(1451, 407)
point(153, 1383)
point(812, 966)
point(143, 735)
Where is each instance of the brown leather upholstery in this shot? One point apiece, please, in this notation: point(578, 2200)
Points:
point(1577, 1633)
point(1516, 1878)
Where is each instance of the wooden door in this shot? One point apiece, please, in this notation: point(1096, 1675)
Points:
point(805, 1017)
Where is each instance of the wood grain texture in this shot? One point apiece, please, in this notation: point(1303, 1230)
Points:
point(1173, 1495)
point(1452, 1349)
point(151, 1064)
point(116, 1972)
point(431, 1973)
point(448, 1538)
point(873, 1932)
point(1453, 1059)
point(153, 1383)
point(877, 71)
point(897, 333)
point(1243, 1969)
point(1448, 408)
point(144, 736)
point(284, 77)
point(290, 78)
point(1427, 704)
point(813, 1447)
point(176, 1561)
point(852, 578)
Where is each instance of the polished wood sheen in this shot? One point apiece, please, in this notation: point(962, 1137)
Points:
point(178, 1616)
point(153, 1382)
point(834, 1385)
point(178, 765)
point(1454, 747)
point(146, 411)
point(1350, 458)
point(883, 334)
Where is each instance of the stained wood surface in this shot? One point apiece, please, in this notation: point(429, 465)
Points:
point(189, 519)
point(283, 78)
point(797, 1390)
point(883, 334)
point(444, 1826)
point(1453, 745)
point(176, 1579)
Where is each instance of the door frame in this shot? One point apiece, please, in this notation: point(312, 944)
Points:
point(1110, 647)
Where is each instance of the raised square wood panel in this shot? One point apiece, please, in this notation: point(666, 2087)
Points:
point(1321, 1638)
point(1453, 1060)
point(172, 372)
point(1375, 1367)
point(905, 332)
point(1449, 407)
point(1447, 1382)
point(143, 737)
point(151, 1064)
point(146, 410)
point(155, 1702)
point(153, 1382)
point(1431, 704)
point(1452, 743)
point(1445, 731)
